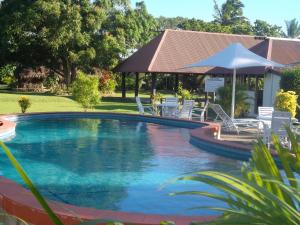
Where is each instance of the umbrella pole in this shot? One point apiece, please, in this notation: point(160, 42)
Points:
point(233, 93)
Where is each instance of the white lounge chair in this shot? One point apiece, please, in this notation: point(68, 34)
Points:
point(186, 111)
point(230, 124)
point(278, 126)
point(144, 109)
point(199, 113)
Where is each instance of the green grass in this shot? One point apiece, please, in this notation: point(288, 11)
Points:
point(51, 103)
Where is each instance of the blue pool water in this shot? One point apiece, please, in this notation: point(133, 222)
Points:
point(113, 164)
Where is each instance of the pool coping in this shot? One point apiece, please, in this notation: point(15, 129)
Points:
point(26, 207)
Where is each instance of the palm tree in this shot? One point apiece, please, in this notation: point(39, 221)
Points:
point(292, 28)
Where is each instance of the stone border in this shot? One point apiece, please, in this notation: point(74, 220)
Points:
point(25, 206)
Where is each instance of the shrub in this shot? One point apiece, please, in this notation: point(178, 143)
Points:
point(184, 94)
point(107, 82)
point(225, 96)
point(7, 74)
point(286, 101)
point(85, 90)
point(24, 103)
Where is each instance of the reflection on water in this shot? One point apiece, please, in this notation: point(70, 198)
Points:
point(112, 164)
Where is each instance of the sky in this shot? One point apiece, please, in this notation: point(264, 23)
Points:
point(272, 11)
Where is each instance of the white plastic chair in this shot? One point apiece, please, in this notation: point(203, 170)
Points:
point(186, 111)
point(144, 109)
point(170, 107)
point(280, 120)
point(230, 124)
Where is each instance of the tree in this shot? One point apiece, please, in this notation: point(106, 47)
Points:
point(170, 23)
point(292, 29)
point(54, 33)
point(231, 14)
point(262, 28)
point(123, 32)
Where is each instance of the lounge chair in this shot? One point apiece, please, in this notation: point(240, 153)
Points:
point(230, 124)
point(278, 126)
point(144, 109)
point(186, 111)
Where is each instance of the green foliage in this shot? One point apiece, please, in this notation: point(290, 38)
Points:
point(290, 80)
point(286, 101)
point(262, 28)
point(184, 93)
point(24, 103)
point(70, 35)
point(292, 29)
point(224, 99)
point(30, 185)
point(170, 23)
point(85, 90)
point(54, 85)
point(7, 74)
point(264, 194)
point(107, 82)
point(156, 98)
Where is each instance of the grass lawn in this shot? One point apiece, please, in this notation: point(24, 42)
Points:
point(51, 103)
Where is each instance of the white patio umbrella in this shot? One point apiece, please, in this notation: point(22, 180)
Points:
point(234, 57)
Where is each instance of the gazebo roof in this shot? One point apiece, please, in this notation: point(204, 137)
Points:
point(171, 50)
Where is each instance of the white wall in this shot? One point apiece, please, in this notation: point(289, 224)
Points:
point(271, 87)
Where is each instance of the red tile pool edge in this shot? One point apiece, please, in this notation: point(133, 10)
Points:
point(7, 127)
point(18, 201)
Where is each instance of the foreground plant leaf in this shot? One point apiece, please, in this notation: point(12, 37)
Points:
point(262, 195)
point(30, 185)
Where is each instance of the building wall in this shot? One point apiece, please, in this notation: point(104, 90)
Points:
point(271, 87)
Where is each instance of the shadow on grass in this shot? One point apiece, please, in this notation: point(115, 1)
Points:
point(116, 107)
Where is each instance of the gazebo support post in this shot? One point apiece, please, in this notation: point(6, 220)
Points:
point(233, 93)
point(256, 94)
point(176, 82)
point(136, 90)
point(123, 85)
point(153, 84)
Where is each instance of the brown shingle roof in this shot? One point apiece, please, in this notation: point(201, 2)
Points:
point(171, 50)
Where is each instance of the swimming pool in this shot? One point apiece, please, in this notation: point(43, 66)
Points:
point(112, 164)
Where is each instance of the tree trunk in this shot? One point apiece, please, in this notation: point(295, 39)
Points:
point(73, 73)
point(67, 72)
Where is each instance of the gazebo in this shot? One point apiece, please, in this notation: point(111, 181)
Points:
point(171, 50)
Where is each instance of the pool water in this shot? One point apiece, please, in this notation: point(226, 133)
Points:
point(113, 164)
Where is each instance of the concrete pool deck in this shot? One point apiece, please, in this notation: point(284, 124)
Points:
point(18, 201)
